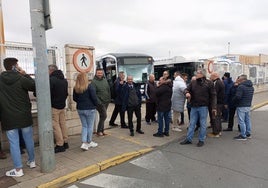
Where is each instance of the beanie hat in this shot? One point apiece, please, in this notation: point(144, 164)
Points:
point(227, 74)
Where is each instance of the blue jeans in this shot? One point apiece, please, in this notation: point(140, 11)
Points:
point(201, 113)
point(243, 114)
point(87, 118)
point(163, 116)
point(13, 138)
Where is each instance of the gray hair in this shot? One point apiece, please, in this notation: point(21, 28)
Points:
point(52, 67)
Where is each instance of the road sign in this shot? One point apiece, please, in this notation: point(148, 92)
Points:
point(83, 60)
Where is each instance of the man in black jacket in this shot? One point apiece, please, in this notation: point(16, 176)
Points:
point(243, 99)
point(201, 93)
point(59, 93)
point(216, 120)
point(15, 113)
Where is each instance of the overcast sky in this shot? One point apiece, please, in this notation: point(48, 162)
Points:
point(161, 28)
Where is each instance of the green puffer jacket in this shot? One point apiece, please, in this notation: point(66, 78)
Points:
point(15, 105)
point(102, 90)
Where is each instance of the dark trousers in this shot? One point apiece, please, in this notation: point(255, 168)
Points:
point(150, 112)
point(231, 117)
point(216, 120)
point(137, 111)
point(102, 109)
point(182, 117)
point(118, 109)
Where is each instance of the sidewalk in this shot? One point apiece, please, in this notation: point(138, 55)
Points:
point(113, 149)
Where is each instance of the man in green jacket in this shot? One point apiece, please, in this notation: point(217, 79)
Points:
point(104, 97)
point(15, 108)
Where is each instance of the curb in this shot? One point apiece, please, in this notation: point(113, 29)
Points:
point(259, 105)
point(93, 169)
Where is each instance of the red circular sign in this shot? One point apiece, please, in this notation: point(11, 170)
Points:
point(83, 60)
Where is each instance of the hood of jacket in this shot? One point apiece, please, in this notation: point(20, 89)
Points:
point(58, 74)
point(247, 83)
point(10, 77)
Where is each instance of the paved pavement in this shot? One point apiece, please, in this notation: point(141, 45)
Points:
point(113, 149)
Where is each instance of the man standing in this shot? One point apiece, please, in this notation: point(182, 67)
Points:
point(243, 99)
point(15, 108)
point(132, 103)
point(59, 93)
point(163, 106)
point(201, 94)
point(178, 99)
point(150, 88)
point(228, 83)
point(216, 120)
point(104, 97)
point(118, 102)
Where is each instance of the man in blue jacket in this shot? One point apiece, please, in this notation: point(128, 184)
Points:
point(243, 99)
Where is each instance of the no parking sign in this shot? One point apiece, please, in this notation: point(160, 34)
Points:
point(83, 60)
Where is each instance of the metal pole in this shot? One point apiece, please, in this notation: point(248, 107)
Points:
point(46, 140)
point(2, 38)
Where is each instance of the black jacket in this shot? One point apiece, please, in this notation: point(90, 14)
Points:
point(86, 100)
point(15, 105)
point(219, 87)
point(58, 89)
point(163, 97)
point(202, 93)
point(244, 94)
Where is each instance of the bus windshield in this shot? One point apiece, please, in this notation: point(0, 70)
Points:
point(139, 72)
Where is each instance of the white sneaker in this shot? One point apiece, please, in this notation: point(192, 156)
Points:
point(92, 144)
point(15, 173)
point(176, 129)
point(31, 164)
point(84, 147)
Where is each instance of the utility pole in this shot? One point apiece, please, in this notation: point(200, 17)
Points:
point(2, 38)
point(46, 140)
point(228, 48)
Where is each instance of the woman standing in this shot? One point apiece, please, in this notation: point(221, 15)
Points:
point(85, 97)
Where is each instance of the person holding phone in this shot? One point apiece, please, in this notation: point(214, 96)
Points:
point(15, 113)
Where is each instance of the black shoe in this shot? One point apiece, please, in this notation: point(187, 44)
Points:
point(184, 142)
point(158, 135)
point(59, 149)
point(166, 133)
point(248, 136)
point(113, 124)
point(22, 151)
point(66, 145)
point(228, 129)
point(131, 133)
point(140, 131)
point(124, 127)
point(200, 144)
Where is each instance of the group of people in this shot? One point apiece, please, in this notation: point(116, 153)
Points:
point(166, 98)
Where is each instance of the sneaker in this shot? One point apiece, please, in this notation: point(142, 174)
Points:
point(177, 129)
point(84, 147)
point(31, 164)
point(240, 137)
point(113, 124)
point(248, 136)
point(66, 145)
point(59, 149)
point(92, 144)
point(15, 173)
point(212, 135)
point(184, 142)
point(200, 143)
point(158, 135)
point(166, 133)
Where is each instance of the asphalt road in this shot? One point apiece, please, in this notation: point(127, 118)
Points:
point(220, 163)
